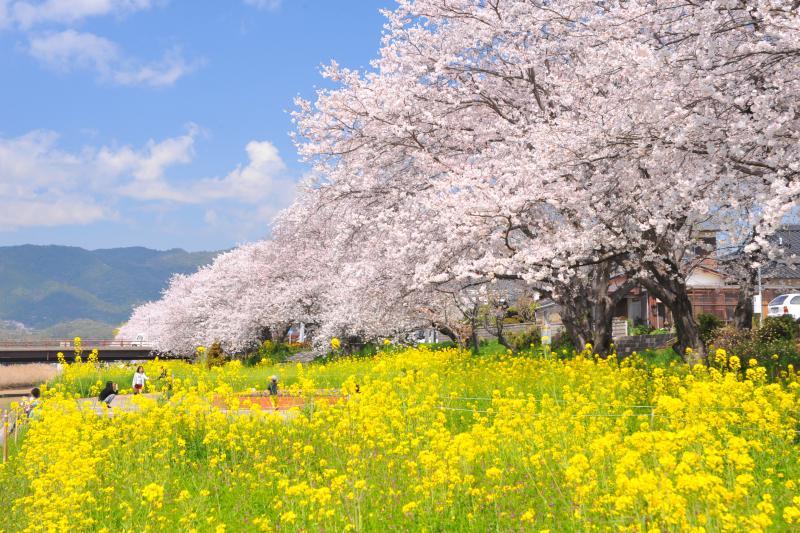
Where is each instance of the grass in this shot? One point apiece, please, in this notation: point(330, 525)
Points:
point(661, 357)
point(25, 375)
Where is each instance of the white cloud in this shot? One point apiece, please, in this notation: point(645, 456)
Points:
point(32, 161)
point(5, 18)
point(71, 50)
point(211, 217)
point(164, 72)
point(42, 185)
point(29, 14)
point(49, 212)
point(53, 41)
point(39, 184)
point(149, 163)
point(263, 177)
point(264, 4)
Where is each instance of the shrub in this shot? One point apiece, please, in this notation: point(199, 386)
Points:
point(526, 309)
point(524, 339)
point(215, 356)
point(765, 345)
point(270, 352)
point(561, 342)
point(708, 325)
point(778, 328)
point(730, 338)
point(641, 329)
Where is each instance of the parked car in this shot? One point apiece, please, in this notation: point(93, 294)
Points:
point(785, 304)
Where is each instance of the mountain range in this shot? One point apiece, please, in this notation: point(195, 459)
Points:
point(62, 291)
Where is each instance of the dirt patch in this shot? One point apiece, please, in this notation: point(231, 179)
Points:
point(17, 376)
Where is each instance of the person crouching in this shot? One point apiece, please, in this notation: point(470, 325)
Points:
point(108, 394)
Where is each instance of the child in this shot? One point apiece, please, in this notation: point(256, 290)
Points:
point(33, 401)
point(139, 379)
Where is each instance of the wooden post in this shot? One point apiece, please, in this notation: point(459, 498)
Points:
point(16, 427)
point(5, 436)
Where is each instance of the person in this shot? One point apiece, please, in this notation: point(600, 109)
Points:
point(28, 406)
point(139, 379)
point(273, 391)
point(33, 401)
point(273, 386)
point(108, 394)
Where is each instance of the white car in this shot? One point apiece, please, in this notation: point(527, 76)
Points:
point(785, 304)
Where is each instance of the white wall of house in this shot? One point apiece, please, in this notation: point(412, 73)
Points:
point(704, 279)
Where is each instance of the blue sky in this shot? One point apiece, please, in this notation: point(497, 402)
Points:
point(161, 123)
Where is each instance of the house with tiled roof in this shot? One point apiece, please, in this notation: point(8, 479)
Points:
point(709, 290)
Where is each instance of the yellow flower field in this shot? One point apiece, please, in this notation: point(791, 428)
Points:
point(434, 440)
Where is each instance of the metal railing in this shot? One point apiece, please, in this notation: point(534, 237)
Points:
point(69, 344)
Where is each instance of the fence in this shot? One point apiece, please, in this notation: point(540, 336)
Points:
point(69, 344)
point(627, 345)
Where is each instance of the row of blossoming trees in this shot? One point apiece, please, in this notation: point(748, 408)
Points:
point(576, 147)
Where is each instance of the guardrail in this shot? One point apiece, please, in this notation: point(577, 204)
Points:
point(69, 344)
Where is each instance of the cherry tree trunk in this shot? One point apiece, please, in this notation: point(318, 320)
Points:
point(602, 308)
point(575, 325)
point(673, 293)
point(743, 314)
point(264, 335)
point(588, 307)
point(501, 338)
point(687, 330)
point(450, 332)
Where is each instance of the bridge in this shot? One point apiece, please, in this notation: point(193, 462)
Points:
point(46, 351)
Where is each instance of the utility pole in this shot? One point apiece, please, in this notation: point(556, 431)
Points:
point(760, 300)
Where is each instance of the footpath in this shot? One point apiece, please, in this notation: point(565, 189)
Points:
point(120, 403)
point(125, 403)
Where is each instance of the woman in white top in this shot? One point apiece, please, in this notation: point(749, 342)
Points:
point(139, 379)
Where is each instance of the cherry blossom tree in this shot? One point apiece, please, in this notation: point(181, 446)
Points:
point(235, 301)
point(560, 144)
point(561, 135)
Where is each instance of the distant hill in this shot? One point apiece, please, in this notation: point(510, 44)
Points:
point(71, 291)
point(88, 329)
